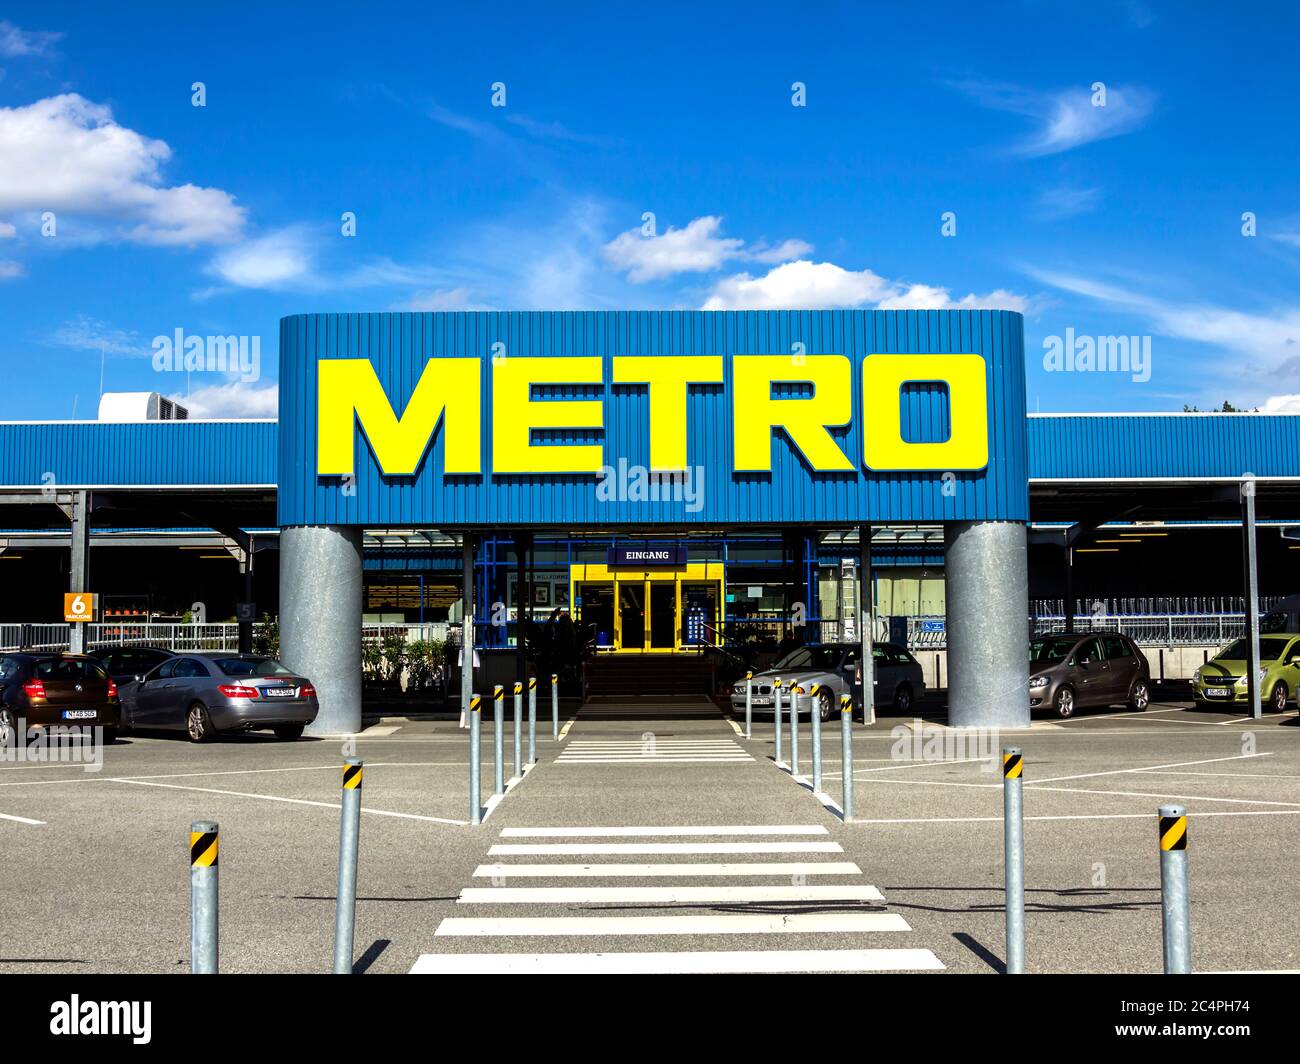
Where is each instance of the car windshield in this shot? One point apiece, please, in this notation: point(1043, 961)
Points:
point(251, 667)
point(1269, 650)
point(1052, 649)
point(824, 657)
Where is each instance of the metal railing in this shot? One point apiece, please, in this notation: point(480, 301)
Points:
point(183, 637)
point(1153, 629)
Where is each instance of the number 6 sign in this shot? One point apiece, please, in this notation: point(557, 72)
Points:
point(79, 606)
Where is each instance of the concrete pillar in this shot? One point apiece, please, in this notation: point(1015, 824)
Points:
point(79, 562)
point(988, 625)
point(320, 619)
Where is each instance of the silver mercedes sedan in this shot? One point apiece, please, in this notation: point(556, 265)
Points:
point(203, 694)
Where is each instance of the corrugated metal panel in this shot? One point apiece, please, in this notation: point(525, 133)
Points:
point(104, 454)
point(1198, 446)
point(400, 344)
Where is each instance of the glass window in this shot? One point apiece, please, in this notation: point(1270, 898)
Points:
point(251, 667)
point(1052, 648)
point(1089, 650)
point(70, 669)
point(165, 670)
point(8, 668)
point(1116, 647)
point(1239, 650)
point(188, 667)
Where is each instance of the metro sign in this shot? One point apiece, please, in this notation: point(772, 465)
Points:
point(448, 398)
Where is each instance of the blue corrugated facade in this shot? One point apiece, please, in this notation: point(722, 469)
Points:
point(399, 345)
point(151, 453)
point(1151, 446)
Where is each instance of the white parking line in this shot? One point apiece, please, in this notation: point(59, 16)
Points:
point(1165, 794)
point(622, 870)
point(555, 849)
point(1071, 816)
point(713, 963)
point(1149, 768)
point(230, 772)
point(626, 832)
point(745, 924)
point(22, 820)
point(858, 773)
point(290, 801)
point(677, 895)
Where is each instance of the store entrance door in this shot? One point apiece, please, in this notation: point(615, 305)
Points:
point(647, 611)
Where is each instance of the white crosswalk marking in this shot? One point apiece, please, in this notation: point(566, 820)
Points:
point(653, 750)
point(808, 909)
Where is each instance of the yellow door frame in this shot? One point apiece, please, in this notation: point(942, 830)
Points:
point(617, 575)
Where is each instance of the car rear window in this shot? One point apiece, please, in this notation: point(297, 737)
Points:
point(69, 669)
point(251, 667)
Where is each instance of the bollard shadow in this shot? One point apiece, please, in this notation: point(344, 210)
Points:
point(332, 898)
point(981, 951)
point(371, 955)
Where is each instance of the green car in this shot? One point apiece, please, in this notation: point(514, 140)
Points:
point(1222, 679)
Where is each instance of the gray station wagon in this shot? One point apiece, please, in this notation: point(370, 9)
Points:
point(834, 667)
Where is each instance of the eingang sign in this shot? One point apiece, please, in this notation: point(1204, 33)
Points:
point(594, 418)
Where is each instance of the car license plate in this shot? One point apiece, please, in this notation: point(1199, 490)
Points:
point(278, 692)
point(1217, 692)
point(80, 714)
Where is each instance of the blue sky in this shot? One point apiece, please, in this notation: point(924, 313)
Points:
point(1095, 220)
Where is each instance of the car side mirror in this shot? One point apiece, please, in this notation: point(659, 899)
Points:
point(139, 677)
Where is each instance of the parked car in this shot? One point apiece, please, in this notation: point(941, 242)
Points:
point(1222, 679)
point(1282, 618)
point(127, 664)
point(1080, 671)
point(46, 690)
point(203, 694)
point(834, 666)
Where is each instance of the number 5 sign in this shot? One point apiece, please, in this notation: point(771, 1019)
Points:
point(79, 606)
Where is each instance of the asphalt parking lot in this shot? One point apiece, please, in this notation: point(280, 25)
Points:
point(655, 830)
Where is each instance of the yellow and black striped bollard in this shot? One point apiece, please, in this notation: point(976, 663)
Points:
point(846, 752)
point(532, 720)
point(1176, 924)
point(349, 845)
point(1013, 831)
point(776, 718)
point(205, 842)
point(475, 754)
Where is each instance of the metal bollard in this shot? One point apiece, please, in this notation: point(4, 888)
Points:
point(1176, 923)
point(204, 897)
point(815, 717)
point(749, 705)
point(498, 738)
point(795, 692)
point(345, 913)
point(1014, 845)
point(846, 752)
point(532, 720)
point(475, 753)
point(555, 707)
point(519, 729)
point(776, 710)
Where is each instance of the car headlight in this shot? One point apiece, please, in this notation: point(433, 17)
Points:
point(1196, 676)
point(1241, 680)
point(1037, 681)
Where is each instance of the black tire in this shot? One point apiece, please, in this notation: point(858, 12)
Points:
point(198, 725)
point(1139, 698)
point(1278, 698)
point(1064, 703)
point(111, 736)
point(903, 698)
point(288, 732)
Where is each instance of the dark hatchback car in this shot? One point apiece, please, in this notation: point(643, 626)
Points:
point(1069, 672)
point(126, 664)
point(203, 694)
point(57, 690)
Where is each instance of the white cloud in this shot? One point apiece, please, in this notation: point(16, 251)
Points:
point(67, 154)
point(805, 285)
point(1066, 201)
point(7, 231)
point(233, 400)
point(446, 299)
point(16, 42)
point(271, 261)
point(1066, 119)
point(1281, 404)
point(1266, 336)
point(696, 248)
point(10, 270)
point(84, 333)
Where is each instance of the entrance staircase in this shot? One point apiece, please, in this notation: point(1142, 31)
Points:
point(632, 675)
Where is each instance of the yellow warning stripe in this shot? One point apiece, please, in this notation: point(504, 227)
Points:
point(846, 703)
point(532, 683)
point(351, 777)
point(498, 693)
point(1173, 832)
point(1012, 766)
point(776, 682)
point(203, 849)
